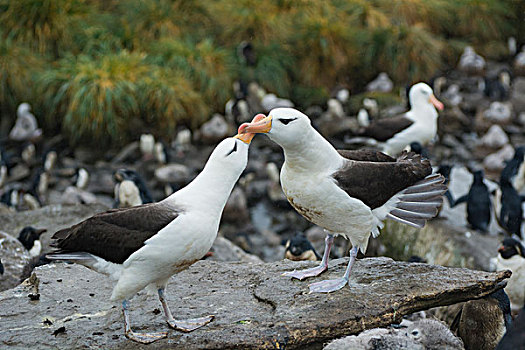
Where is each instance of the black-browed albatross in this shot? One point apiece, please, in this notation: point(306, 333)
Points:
point(146, 244)
point(348, 193)
point(419, 124)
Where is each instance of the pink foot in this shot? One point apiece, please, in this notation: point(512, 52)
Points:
point(302, 274)
point(191, 324)
point(328, 286)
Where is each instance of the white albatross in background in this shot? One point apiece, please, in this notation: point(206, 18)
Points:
point(145, 245)
point(348, 193)
point(419, 124)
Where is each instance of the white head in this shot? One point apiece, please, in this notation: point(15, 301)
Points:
point(285, 126)
point(421, 95)
point(230, 156)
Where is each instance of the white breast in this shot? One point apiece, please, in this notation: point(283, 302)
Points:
point(323, 203)
point(421, 132)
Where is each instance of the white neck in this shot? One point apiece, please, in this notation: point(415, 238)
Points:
point(208, 191)
point(312, 153)
point(422, 112)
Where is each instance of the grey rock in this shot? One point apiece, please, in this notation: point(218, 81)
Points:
point(496, 161)
point(254, 306)
point(236, 209)
point(14, 258)
point(172, 173)
point(381, 84)
point(271, 101)
point(471, 62)
point(499, 112)
point(214, 130)
point(224, 250)
point(495, 137)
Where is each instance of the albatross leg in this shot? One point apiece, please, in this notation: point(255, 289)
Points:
point(333, 285)
point(315, 271)
point(144, 338)
point(182, 325)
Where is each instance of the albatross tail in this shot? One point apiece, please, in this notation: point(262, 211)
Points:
point(414, 205)
point(90, 261)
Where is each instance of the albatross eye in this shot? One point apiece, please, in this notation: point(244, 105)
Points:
point(234, 149)
point(285, 121)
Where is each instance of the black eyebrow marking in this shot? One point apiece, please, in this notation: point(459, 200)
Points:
point(234, 149)
point(285, 121)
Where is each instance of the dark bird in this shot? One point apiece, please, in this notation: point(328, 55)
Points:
point(418, 124)
point(514, 170)
point(478, 203)
point(497, 86)
point(481, 323)
point(146, 244)
point(347, 193)
point(246, 54)
point(514, 338)
point(445, 170)
point(30, 239)
point(299, 248)
point(509, 212)
point(512, 257)
point(11, 197)
point(1, 267)
point(130, 190)
point(417, 148)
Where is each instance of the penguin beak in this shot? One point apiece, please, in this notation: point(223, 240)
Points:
point(437, 103)
point(245, 136)
point(263, 125)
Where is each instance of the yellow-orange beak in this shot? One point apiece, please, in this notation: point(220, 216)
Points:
point(263, 125)
point(437, 103)
point(245, 136)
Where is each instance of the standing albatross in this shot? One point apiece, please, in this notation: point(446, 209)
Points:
point(348, 193)
point(419, 124)
point(146, 244)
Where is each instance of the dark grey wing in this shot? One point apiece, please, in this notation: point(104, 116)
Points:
point(384, 129)
point(368, 155)
point(374, 183)
point(116, 234)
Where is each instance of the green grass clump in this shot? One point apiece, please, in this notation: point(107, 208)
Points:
point(93, 68)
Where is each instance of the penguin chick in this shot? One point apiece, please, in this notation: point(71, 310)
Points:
point(481, 323)
point(300, 248)
point(30, 239)
point(130, 189)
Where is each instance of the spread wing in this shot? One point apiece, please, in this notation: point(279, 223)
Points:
point(384, 129)
point(375, 182)
point(116, 234)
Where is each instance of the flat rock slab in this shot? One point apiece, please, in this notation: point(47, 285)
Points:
point(254, 306)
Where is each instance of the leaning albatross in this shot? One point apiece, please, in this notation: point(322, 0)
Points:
point(146, 244)
point(348, 193)
point(419, 124)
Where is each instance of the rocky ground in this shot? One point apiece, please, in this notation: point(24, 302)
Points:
point(254, 306)
point(477, 130)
